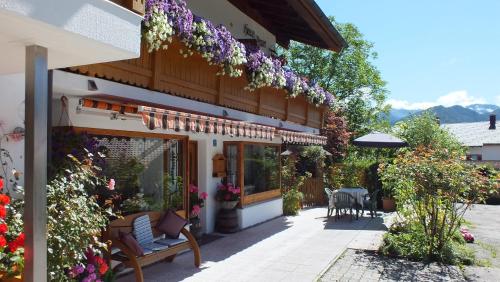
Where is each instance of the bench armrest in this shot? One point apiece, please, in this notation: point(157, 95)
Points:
point(194, 246)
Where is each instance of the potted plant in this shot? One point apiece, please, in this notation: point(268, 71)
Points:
point(388, 201)
point(228, 195)
point(196, 202)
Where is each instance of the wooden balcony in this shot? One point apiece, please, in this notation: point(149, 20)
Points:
point(169, 72)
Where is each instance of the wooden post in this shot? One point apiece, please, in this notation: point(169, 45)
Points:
point(35, 164)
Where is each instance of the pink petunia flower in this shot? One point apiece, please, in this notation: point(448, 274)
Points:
point(204, 195)
point(193, 188)
point(111, 184)
point(196, 210)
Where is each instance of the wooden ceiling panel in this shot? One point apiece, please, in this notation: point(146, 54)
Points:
point(299, 20)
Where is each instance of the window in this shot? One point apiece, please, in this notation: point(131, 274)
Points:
point(148, 172)
point(474, 157)
point(255, 168)
point(262, 171)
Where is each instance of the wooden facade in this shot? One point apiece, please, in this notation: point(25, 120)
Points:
point(169, 72)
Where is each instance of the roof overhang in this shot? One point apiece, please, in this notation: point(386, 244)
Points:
point(74, 32)
point(298, 20)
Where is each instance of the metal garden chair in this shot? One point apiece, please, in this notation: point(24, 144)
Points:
point(370, 202)
point(329, 194)
point(346, 202)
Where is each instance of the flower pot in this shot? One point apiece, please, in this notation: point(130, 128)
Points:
point(3, 278)
point(195, 227)
point(388, 204)
point(228, 205)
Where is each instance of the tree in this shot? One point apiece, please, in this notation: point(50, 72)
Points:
point(424, 130)
point(350, 75)
point(338, 135)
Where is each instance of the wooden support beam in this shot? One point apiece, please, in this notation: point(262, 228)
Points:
point(259, 101)
point(35, 164)
point(220, 92)
point(156, 71)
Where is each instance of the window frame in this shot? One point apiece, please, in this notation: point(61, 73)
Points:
point(139, 134)
point(246, 200)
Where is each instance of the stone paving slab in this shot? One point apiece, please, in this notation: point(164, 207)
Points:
point(283, 249)
point(359, 265)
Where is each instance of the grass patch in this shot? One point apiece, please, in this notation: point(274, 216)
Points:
point(488, 247)
point(468, 224)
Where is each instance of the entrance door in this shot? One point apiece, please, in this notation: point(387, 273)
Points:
point(193, 163)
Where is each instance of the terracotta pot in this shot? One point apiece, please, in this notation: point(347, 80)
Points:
point(389, 204)
point(17, 278)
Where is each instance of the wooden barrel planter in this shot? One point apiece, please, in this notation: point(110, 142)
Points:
point(227, 221)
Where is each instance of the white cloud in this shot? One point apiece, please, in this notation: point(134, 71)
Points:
point(460, 97)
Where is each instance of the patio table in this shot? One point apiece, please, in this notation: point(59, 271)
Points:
point(358, 193)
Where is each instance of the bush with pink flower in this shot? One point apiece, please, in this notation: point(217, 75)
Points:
point(196, 200)
point(95, 269)
point(228, 192)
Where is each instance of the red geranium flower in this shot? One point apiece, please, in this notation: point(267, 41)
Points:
point(103, 268)
point(4, 199)
point(18, 242)
point(3, 211)
point(3, 242)
point(1, 183)
point(3, 228)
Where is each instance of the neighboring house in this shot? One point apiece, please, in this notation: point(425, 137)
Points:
point(172, 114)
point(481, 138)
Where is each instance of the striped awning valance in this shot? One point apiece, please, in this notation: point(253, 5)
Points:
point(175, 120)
point(154, 118)
point(291, 137)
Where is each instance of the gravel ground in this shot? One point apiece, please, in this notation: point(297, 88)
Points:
point(359, 265)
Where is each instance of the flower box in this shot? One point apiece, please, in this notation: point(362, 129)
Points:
point(4, 278)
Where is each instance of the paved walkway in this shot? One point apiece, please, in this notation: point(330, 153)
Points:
point(485, 221)
point(284, 249)
point(359, 265)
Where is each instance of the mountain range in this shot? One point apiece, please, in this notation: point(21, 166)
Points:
point(453, 114)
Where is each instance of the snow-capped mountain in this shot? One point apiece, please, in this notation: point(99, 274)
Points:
point(453, 114)
point(483, 108)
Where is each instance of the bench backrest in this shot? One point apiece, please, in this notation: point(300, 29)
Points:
point(126, 223)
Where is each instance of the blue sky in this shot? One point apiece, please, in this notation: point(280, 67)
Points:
point(430, 51)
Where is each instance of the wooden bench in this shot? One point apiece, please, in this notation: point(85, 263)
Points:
point(127, 257)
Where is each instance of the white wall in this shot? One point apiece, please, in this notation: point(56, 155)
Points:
point(12, 116)
point(74, 32)
point(223, 12)
point(260, 212)
point(491, 152)
point(206, 150)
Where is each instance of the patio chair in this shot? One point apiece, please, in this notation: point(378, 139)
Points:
point(344, 202)
point(329, 194)
point(370, 202)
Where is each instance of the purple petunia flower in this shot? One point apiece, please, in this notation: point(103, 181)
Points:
point(90, 268)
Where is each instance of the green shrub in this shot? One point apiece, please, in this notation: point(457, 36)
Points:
point(410, 241)
point(291, 202)
point(292, 197)
point(75, 219)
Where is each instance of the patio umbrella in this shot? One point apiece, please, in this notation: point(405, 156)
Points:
point(379, 140)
